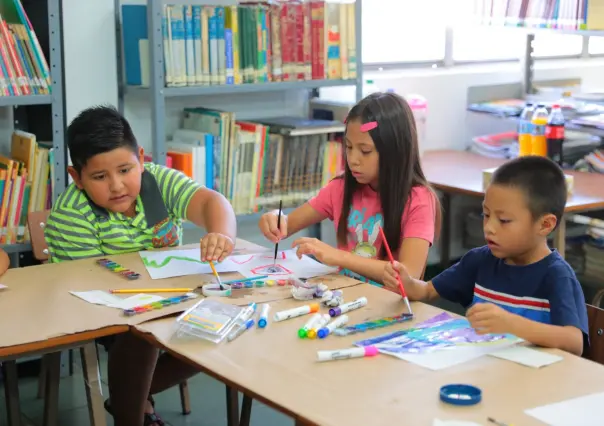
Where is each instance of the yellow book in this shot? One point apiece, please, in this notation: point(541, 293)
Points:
point(232, 23)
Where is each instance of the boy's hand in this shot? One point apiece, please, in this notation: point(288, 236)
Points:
point(390, 276)
point(215, 247)
point(324, 253)
point(488, 318)
point(268, 226)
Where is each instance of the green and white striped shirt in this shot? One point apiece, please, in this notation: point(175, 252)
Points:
point(77, 228)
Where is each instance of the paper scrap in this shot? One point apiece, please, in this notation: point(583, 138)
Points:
point(97, 297)
point(527, 356)
point(581, 411)
point(137, 300)
point(2, 286)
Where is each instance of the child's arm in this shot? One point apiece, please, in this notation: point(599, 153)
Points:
point(301, 218)
point(4, 261)
point(489, 318)
point(211, 210)
point(416, 289)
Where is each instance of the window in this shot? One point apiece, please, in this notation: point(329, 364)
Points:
point(596, 45)
point(487, 44)
point(402, 31)
point(552, 45)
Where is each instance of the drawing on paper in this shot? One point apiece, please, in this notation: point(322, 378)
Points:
point(175, 263)
point(440, 332)
point(271, 270)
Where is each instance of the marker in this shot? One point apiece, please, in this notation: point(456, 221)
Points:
point(239, 330)
point(347, 307)
point(303, 332)
point(347, 353)
point(263, 318)
point(296, 312)
point(321, 322)
point(248, 312)
point(338, 322)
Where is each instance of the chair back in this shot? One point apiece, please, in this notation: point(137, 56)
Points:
point(595, 320)
point(36, 222)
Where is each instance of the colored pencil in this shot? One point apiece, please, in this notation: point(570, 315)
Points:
point(216, 274)
point(150, 290)
point(398, 277)
point(278, 226)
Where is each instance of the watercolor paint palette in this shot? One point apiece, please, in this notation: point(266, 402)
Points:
point(237, 285)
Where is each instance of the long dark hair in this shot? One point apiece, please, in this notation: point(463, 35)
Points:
point(395, 139)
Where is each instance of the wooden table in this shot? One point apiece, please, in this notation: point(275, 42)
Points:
point(276, 367)
point(39, 316)
point(460, 172)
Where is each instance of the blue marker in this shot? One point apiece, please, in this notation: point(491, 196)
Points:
point(239, 330)
point(263, 317)
point(329, 328)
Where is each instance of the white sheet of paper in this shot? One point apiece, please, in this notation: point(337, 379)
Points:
point(582, 411)
point(178, 263)
point(98, 297)
point(287, 264)
point(445, 358)
point(136, 300)
point(527, 356)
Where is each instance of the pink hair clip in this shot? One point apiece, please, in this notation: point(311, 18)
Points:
point(368, 126)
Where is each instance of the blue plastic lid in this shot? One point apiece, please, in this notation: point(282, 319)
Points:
point(459, 394)
point(262, 322)
point(323, 332)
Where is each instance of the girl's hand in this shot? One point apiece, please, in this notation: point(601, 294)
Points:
point(324, 253)
point(488, 318)
point(215, 247)
point(268, 226)
point(392, 271)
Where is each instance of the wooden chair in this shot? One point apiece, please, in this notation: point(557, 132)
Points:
point(595, 319)
point(36, 222)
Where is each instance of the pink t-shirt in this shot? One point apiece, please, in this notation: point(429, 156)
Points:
point(366, 216)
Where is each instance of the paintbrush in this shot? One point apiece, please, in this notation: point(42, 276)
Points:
point(278, 228)
point(216, 275)
point(398, 277)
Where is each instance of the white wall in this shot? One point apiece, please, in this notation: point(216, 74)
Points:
point(90, 71)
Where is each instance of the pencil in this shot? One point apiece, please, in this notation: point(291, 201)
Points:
point(278, 226)
point(216, 274)
point(398, 277)
point(151, 290)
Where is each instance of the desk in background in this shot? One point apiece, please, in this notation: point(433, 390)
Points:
point(460, 172)
point(276, 367)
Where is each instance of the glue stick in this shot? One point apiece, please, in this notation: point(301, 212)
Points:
point(329, 328)
point(303, 332)
point(296, 312)
point(347, 307)
point(263, 317)
point(321, 322)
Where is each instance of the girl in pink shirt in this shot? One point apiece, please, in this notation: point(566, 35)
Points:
point(383, 185)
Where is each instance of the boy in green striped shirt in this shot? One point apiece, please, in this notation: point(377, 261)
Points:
point(117, 204)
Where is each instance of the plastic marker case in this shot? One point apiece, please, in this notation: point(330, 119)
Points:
point(210, 319)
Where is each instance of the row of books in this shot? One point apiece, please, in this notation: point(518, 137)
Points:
point(560, 14)
point(257, 164)
point(259, 42)
point(23, 67)
point(26, 184)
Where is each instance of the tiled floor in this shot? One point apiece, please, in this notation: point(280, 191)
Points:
point(207, 395)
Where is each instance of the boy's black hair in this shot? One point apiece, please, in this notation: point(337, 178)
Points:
point(541, 180)
point(97, 130)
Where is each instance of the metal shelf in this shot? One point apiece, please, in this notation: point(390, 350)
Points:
point(535, 30)
point(16, 248)
point(173, 92)
point(6, 101)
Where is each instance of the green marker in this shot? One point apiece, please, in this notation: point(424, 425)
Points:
point(303, 332)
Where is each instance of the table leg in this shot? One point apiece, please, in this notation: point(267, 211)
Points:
point(92, 382)
point(11, 392)
point(232, 405)
point(445, 231)
point(246, 411)
point(51, 393)
point(560, 238)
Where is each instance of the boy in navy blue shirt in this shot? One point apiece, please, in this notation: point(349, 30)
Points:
point(515, 284)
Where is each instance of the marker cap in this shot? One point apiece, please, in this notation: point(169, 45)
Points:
point(314, 307)
point(262, 322)
point(371, 351)
point(323, 333)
